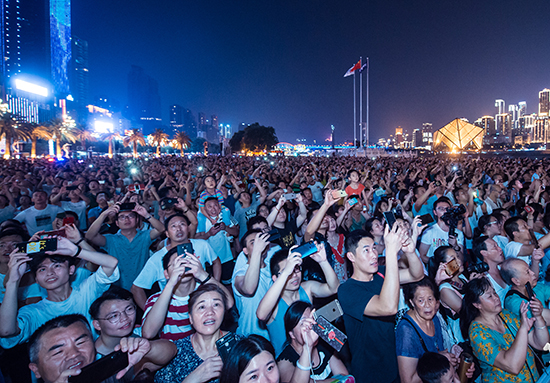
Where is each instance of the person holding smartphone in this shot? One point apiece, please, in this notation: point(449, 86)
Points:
point(287, 288)
point(52, 272)
point(198, 358)
point(63, 347)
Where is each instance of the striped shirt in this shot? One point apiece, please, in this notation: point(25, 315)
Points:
point(176, 325)
point(205, 195)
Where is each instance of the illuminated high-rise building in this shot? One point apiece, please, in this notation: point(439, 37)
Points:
point(80, 82)
point(500, 105)
point(176, 117)
point(10, 38)
point(544, 102)
point(522, 108)
point(60, 44)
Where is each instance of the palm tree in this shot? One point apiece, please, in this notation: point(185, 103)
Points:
point(110, 137)
point(134, 138)
point(182, 141)
point(36, 132)
point(61, 132)
point(159, 138)
point(83, 134)
point(11, 131)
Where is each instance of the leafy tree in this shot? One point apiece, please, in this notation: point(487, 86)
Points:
point(110, 137)
point(182, 141)
point(254, 137)
point(134, 138)
point(83, 134)
point(60, 132)
point(236, 142)
point(36, 132)
point(9, 128)
point(198, 145)
point(159, 139)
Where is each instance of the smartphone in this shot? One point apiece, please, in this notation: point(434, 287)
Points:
point(290, 196)
point(225, 344)
point(329, 333)
point(529, 209)
point(102, 369)
point(127, 206)
point(168, 203)
point(390, 218)
point(186, 247)
point(69, 188)
point(529, 289)
point(37, 247)
point(68, 220)
point(452, 268)
point(334, 178)
point(426, 219)
point(331, 311)
point(101, 182)
point(306, 249)
point(54, 233)
point(274, 235)
point(337, 194)
point(353, 201)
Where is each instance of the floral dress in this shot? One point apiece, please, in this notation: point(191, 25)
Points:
point(488, 343)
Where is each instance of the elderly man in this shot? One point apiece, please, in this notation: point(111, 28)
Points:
point(64, 345)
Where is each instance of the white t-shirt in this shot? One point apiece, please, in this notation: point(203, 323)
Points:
point(248, 321)
point(512, 250)
point(37, 220)
point(153, 271)
point(79, 208)
point(501, 240)
point(436, 237)
point(31, 317)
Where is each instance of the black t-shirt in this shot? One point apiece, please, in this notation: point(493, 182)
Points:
point(287, 239)
point(371, 339)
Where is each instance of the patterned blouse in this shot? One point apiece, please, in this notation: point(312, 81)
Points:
point(488, 343)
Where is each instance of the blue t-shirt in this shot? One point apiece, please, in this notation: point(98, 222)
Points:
point(408, 343)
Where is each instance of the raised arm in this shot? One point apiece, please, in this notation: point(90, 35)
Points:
point(248, 283)
point(67, 248)
point(387, 302)
point(268, 304)
point(8, 309)
point(93, 232)
point(316, 220)
point(322, 290)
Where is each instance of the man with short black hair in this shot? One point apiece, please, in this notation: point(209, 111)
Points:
point(130, 245)
point(52, 272)
point(370, 299)
point(435, 368)
point(61, 347)
point(177, 231)
point(41, 215)
point(487, 250)
point(438, 234)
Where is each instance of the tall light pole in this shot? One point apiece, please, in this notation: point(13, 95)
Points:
point(332, 135)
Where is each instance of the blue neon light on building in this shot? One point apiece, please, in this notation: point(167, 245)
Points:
point(60, 34)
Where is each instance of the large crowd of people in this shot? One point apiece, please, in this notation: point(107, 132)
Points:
point(206, 269)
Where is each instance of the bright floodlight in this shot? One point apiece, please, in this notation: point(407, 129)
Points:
point(31, 88)
point(133, 170)
point(103, 126)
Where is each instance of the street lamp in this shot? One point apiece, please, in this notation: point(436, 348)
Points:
point(332, 135)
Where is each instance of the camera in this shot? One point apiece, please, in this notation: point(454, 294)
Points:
point(479, 268)
point(451, 218)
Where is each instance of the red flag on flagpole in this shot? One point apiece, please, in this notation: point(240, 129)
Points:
point(353, 69)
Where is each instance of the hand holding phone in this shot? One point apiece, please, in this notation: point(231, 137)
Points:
point(102, 369)
point(452, 267)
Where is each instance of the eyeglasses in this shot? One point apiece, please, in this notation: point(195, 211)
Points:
point(492, 223)
point(297, 269)
point(115, 317)
point(126, 216)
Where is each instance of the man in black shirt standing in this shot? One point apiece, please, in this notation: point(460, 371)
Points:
point(370, 300)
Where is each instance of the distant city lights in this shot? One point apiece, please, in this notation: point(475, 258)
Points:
point(103, 126)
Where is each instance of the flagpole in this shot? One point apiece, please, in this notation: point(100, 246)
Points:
point(367, 133)
point(360, 103)
point(354, 114)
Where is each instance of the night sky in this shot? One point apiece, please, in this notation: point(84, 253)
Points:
point(281, 63)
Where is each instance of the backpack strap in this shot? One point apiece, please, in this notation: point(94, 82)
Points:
point(417, 333)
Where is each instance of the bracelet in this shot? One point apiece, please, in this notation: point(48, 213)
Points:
point(205, 279)
point(78, 252)
point(185, 212)
point(148, 218)
point(80, 240)
point(303, 368)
